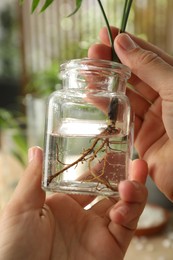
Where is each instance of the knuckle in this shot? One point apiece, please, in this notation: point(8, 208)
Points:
point(147, 57)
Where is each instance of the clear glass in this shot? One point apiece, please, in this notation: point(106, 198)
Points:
point(89, 131)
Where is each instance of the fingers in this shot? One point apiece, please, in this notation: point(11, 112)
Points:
point(104, 35)
point(146, 59)
point(154, 72)
point(133, 197)
point(146, 65)
point(139, 171)
point(125, 214)
point(28, 194)
point(143, 44)
point(148, 94)
point(100, 51)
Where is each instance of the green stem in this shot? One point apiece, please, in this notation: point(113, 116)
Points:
point(114, 55)
point(126, 11)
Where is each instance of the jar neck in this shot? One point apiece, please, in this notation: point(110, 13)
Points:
point(96, 75)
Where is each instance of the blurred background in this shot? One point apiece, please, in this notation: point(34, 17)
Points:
point(32, 46)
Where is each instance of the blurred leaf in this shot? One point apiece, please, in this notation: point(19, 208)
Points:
point(46, 4)
point(44, 82)
point(7, 120)
point(78, 5)
point(21, 147)
point(34, 5)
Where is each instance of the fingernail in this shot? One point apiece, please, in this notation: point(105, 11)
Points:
point(126, 42)
point(33, 152)
point(136, 185)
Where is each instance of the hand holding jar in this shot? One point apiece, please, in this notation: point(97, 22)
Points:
point(151, 98)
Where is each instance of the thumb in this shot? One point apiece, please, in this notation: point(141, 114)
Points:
point(28, 194)
point(146, 65)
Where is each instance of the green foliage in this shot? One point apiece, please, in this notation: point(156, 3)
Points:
point(78, 5)
point(44, 82)
point(34, 5)
point(126, 10)
point(46, 4)
point(9, 122)
point(20, 151)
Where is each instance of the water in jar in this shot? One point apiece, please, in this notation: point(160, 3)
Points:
point(83, 157)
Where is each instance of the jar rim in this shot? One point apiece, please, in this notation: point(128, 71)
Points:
point(88, 63)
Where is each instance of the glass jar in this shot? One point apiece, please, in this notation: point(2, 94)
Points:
point(89, 131)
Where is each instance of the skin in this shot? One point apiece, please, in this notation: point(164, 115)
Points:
point(151, 99)
point(35, 226)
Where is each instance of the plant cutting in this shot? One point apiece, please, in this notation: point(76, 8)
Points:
point(126, 11)
point(88, 94)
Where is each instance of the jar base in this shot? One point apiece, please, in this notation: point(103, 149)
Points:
point(82, 188)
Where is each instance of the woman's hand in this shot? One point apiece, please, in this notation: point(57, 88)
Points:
point(151, 99)
point(33, 226)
